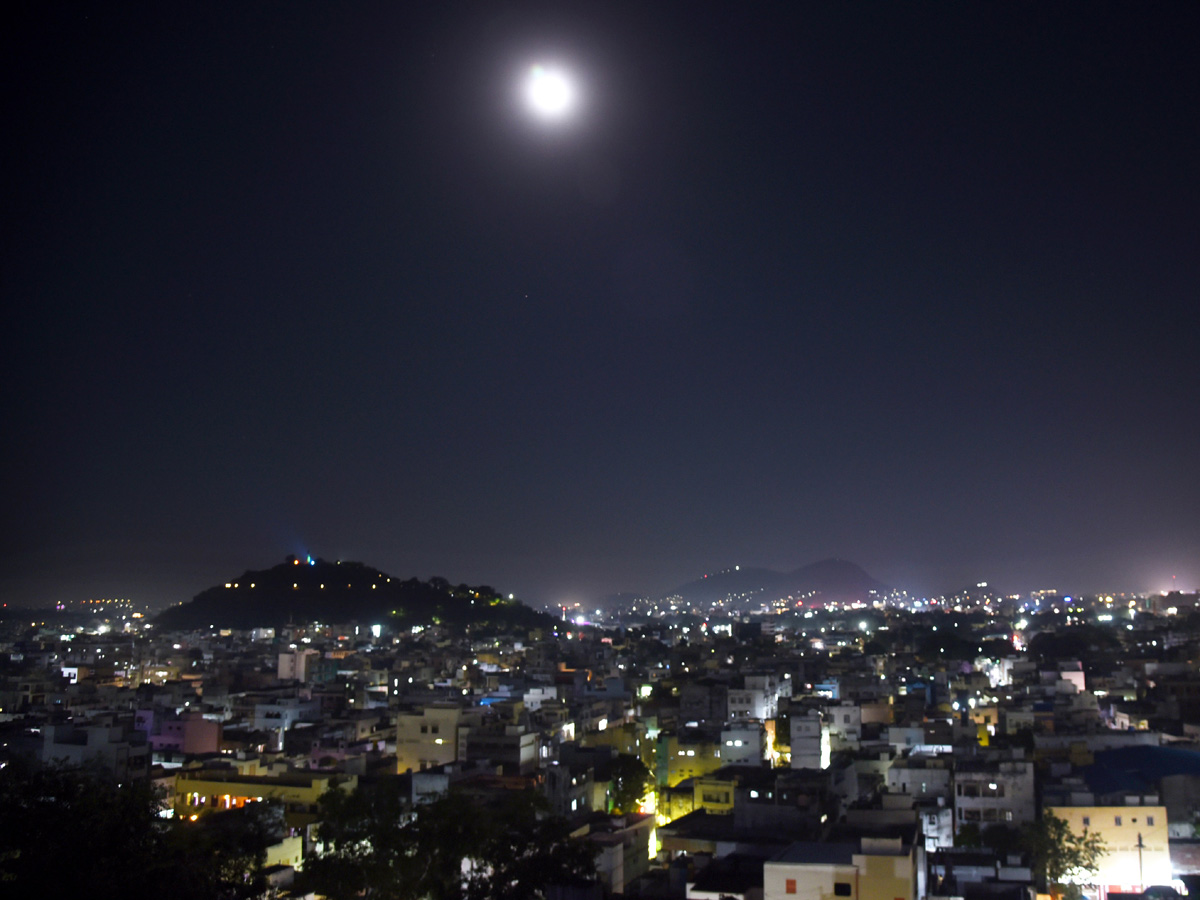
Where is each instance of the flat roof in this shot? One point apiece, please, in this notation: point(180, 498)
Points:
point(840, 853)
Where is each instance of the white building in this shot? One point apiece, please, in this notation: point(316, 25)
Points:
point(293, 664)
point(937, 825)
point(758, 698)
point(810, 741)
point(743, 744)
point(277, 716)
point(845, 725)
point(921, 777)
point(987, 793)
point(108, 741)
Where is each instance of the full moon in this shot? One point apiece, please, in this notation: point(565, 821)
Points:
point(549, 92)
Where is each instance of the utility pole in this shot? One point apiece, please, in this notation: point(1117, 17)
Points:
point(1141, 877)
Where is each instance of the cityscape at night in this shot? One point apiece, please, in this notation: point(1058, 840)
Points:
point(565, 450)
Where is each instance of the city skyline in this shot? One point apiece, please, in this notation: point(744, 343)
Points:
point(910, 287)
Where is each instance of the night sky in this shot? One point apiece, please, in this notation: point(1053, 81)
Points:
point(913, 285)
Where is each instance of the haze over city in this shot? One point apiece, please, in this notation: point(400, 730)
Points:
point(579, 299)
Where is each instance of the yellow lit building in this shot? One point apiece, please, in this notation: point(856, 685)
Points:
point(203, 790)
point(430, 737)
point(625, 737)
point(287, 852)
point(1136, 837)
point(866, 869)
point(684, 756)
point(674, 803)
point(714, 795)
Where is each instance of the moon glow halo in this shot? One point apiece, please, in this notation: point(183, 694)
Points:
point(549, 92)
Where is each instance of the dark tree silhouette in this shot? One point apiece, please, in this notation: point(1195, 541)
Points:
point(454, 847)
point(77, 832)
point(630, 782)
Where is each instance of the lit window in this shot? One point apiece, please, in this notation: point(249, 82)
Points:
point(790, 886)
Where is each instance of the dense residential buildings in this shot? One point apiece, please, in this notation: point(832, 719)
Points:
point(870, 751)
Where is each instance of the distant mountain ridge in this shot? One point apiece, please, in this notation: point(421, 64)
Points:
point(828, 579)
point(315, 590)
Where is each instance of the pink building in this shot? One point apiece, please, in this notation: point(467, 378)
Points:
point(187, 733)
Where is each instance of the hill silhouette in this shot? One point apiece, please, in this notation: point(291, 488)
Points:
point(829, 579)
point(315, 590)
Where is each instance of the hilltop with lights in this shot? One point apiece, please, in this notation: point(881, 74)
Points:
point(317, 590)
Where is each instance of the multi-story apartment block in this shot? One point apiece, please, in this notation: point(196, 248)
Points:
point(430, 736)
point(281, 713)
point(704, 701)
point(569, 789)
point(743, 744)
point(110, 741)
point(293, 664)
point(689, 753)
point(810, 740)
point(514, 747)
point(988, 792)
point(757, 698)
point(921, 777)
point(845, 725)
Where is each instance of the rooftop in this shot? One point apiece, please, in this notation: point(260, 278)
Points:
point(810, 853)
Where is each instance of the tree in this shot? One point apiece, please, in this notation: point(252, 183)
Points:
point(1091, 643)
point(783, 737)
point(631, 781)
point(944, 645)
point(524, 853)
point(968, 836)
point(128, 850)
point(365, 852)
point(224, 852)
point(47, 808)
point(454, 847)
point(1062, 859)
point(1001, 838)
